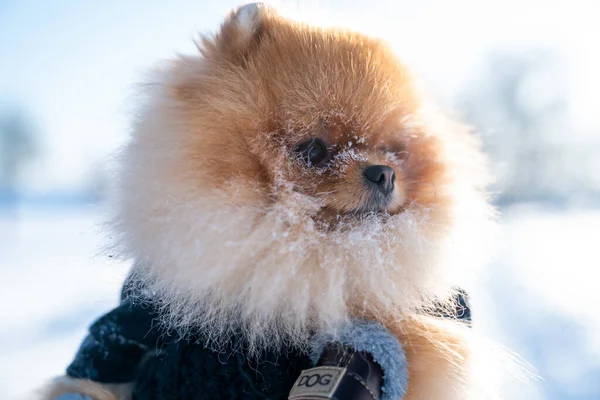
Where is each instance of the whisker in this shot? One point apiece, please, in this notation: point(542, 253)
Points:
point(326, 193)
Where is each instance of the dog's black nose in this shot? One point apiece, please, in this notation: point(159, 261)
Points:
point(382, 176)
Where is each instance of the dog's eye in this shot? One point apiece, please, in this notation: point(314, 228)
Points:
point(314, 152)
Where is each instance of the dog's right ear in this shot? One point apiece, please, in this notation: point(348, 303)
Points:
point(240, 33)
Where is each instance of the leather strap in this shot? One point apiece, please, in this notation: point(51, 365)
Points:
point(341, 374)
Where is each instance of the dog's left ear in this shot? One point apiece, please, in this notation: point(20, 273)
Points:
point(240, 33)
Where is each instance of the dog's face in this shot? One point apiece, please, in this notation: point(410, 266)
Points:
point(329, 112)
point(288, 178)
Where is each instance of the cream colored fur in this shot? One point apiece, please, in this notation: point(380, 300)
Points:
point(216, 265)
point(97, 391)
point(255, 260)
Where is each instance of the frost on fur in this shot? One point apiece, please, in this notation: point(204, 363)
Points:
point(227, 240)
point(267, 271)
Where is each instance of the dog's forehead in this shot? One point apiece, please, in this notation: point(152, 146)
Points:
point(346, 134)
point(339, 108)
point(361, 130)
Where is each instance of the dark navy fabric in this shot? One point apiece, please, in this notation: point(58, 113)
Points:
point(458, 310)
point(125, 345)
point(116, 344)
point(189, 371)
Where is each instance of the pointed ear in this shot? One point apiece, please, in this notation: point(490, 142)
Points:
point(240, 32)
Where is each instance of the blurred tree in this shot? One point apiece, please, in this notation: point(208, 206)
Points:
point(17, 149)
point(520, 108)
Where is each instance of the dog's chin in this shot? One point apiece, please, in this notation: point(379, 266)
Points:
point(331, 218)
point(381, 208)
point(385, 207)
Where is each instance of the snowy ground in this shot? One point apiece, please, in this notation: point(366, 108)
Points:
point(545, 289)
point(53, 284)
point(543, 284)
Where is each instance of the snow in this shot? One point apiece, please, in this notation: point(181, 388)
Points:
point(544, 285)
point(543, 282)
point(53, 285)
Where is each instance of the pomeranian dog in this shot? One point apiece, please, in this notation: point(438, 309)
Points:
point(290, 177)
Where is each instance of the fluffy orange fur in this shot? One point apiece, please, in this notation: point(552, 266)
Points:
point(230, 228)
point(438, 357)
point(289, 82)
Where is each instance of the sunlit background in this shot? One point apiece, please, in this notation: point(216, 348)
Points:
point(525, 73)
